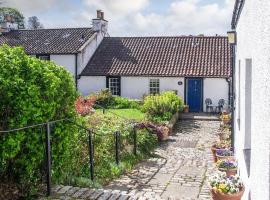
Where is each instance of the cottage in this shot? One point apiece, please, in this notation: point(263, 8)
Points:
point(251, 21)
point(195, 67)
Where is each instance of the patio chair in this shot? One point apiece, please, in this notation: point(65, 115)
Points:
point(220, 106)
point(209, 105)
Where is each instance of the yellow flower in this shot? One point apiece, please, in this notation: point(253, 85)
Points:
point(222, 186)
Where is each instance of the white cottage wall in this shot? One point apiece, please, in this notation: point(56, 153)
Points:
point(135, 87)
point(88, 50)
point(67, 61)
point(215, 89)
point(89, 84)
point(253, 50)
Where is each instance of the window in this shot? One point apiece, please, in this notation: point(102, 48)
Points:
point(43, 57)
point(154, 86)
point(114, 84)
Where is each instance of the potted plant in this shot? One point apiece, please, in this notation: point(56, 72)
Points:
point(226, 188)
point(186, 108)
point(227, 166)
point(225, 154)
point(223, 144)
point(226, 118)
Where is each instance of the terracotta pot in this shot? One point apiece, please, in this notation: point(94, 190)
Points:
point(221, 196)
point(186, 109)
point(231, 158)
point(214, 151)
point(229, 172)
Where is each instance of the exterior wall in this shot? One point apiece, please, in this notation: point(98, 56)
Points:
point(89, 84)
point(88, 50)
point(67, 61)
point(135, 87)
point(253, 97)
point(215, 89)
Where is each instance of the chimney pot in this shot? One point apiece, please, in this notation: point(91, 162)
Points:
point(99, 14)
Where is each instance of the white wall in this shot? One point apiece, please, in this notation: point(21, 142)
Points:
point(89, 84)
point(88, 50)
point(67, 61)
point(215, 89)
point(135, 87)
point(253, 43)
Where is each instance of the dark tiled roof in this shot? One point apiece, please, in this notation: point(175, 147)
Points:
point(161, 56)
point(48, 41)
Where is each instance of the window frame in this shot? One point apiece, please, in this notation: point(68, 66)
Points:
point(41, 56)
point(154, 84)
point(118, 84)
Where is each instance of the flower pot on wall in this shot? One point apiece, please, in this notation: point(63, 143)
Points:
point(186, 109)
point(216, 195)
point(229, 172)
point(214, 150)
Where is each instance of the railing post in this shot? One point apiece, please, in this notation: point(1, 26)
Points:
point(48, 158)
point(91, 155)
point(116, 136)
point(134, 141)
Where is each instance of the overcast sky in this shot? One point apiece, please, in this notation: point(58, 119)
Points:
point(134, 17)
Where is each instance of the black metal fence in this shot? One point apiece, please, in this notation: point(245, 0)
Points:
point(91, 134)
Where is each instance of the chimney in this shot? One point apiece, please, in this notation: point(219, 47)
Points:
point(8, 24)
point(100, 24)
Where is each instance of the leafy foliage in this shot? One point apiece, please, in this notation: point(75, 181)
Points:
point(34, 91)
point(107, 100)
point(104, 143)
point(34, 23)
point(162, 107)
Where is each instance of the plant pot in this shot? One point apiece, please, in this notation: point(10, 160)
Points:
point(216, 195)
point(186, 109)
point(229, 172)
point(231, 158)
point(226, 121)
point(214, 150)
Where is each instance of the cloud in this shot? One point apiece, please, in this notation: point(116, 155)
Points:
point(129, 17)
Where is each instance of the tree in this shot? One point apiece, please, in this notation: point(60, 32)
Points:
point(17, 16)
point(33, 23)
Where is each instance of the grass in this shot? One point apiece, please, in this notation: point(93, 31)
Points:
point(131, 113)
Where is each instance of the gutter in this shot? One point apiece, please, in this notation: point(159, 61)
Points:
point(76, 71)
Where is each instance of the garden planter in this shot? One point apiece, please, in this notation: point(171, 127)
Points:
point(231, 158)
point(216, 195)
point(186, 109)
point(229, 172)
point(214, 150)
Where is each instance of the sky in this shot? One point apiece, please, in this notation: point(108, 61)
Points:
point(134, 17)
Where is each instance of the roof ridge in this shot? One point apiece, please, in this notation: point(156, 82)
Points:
point(53, 28)
point(180, 36)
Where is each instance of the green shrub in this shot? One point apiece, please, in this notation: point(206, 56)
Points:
point(162, 107)
point(105, 99)
point(34, 91)
point(104, 143)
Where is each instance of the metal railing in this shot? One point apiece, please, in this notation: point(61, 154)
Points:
point(91, 133)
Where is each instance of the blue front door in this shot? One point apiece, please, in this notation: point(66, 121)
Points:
point(194, 94)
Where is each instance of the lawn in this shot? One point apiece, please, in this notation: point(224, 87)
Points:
point(131, 113)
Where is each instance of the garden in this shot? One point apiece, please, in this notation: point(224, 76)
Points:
point(122, 131)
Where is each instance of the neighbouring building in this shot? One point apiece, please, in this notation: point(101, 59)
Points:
point(68, 47)
point(195, 67)
point(251, 21)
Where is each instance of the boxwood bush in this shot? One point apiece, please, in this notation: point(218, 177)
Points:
point(161, 107)
point(34, 91)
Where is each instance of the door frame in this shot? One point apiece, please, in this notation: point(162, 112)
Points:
point(186, 91)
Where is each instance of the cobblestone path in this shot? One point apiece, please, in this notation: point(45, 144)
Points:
point(179, 172)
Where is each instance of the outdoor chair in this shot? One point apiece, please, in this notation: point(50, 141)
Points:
point(220, 106)
point(209, 105)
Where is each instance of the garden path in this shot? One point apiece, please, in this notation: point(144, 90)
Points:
point(179, 171)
